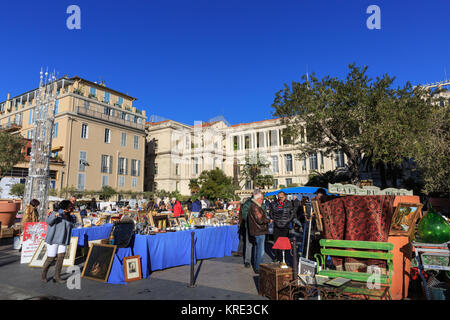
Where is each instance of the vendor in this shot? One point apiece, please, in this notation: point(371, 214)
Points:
point(177, 208)
point(60, 224)
point(31, 213)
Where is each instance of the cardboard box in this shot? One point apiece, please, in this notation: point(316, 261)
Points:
point(6, 232)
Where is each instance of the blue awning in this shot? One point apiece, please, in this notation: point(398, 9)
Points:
point(296, 190)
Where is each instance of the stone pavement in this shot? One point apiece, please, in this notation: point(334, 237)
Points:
point(223, 279)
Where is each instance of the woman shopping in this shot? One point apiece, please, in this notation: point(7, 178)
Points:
point(60, 224)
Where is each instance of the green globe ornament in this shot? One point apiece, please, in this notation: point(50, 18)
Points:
point(433, 228)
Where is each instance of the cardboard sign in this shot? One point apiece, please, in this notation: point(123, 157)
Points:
point(33, 233)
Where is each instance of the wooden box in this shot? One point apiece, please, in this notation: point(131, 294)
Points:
point(273, 279)
point(6, 232)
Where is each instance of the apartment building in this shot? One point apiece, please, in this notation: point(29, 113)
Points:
point(177, 152)
point(98, 136)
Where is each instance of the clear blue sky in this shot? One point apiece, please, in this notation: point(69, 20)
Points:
point(191, 60)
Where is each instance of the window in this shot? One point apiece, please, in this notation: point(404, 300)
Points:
point(275, 164)
point(122, 166)
point(275, 184)
point(177, 169)
point(123, 139)
point(104, 181)
point(313, 161)
point(84, 131)
point(30, 118)
point(155, 144)
point(55, 130)
point(136, 142)
point(107, 136)
point(156, 169)
point(120, 101)
point(135, 168)
point(121, 181)
point(273, 138)
point(134, 182)
point(82, 161)
point(106, 164)
point(87, 104)
point(235, 143)
point(247, 142)
point(260, 139)
point(93, 92)
point(288, 182)
point(195, 166)
point(321, 160)
point(56, 106)
point(289, 163)
point(107, 111)
point(248, 185)
point(81, 181)
point(107, 97)
point(340, 159)
point(286, 138)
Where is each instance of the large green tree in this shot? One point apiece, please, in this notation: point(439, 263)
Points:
point(11, 146)
point(214, 184)
point(252, 169)
point(359, 116)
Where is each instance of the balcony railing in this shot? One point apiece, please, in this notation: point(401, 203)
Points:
point(103, 116)
point(11, 127)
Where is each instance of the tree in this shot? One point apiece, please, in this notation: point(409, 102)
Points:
point(318, 179)
point(252, 168)
point(17, 190)
point(194, 186)
point(107, 192)
point(358, 116)
point(263, 181)
point(11, 147)
point(215, 184)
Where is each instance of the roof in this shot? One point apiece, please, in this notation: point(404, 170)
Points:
point(102, 87)
point(245, 124)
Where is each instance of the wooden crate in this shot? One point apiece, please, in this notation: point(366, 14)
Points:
point(6, 232)
point(273, 279)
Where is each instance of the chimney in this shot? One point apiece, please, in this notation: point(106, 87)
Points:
point(9, 96)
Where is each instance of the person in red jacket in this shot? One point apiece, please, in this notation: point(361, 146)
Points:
point(177, 208)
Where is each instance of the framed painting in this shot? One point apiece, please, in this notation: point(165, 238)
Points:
point(173, 222)
point(39, 256)
point(404, 219)
point(99, 261)
point(71, 252)
point(317, 215)
point(132, 268)
point(182, 221)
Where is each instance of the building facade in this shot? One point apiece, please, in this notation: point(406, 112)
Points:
point(98, 136)
point(178, 152)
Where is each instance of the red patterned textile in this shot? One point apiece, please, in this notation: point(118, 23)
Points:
point(362, 218)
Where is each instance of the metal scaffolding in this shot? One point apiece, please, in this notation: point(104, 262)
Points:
point(38, 180)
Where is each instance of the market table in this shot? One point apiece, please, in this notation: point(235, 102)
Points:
point(171, 249)
point(92, 233)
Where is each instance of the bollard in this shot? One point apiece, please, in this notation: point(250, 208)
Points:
point(295, 259)
point(192, 285)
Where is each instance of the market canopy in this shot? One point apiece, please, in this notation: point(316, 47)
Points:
point(295, 190)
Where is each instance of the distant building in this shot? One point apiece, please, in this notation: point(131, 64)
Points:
point(98, 138)
point(177, 152)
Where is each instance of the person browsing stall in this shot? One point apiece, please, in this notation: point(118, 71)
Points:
point(60, 224)
point(282, 213)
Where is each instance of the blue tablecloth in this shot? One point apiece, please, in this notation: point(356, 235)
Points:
point(172, 249)
point(93, 233)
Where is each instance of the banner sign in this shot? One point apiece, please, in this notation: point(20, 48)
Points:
point(33, 234)
point(349, 189)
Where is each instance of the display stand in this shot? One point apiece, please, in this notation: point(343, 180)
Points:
point(431, 257)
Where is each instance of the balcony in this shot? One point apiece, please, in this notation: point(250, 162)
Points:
point(99, 115)
point(10, 127)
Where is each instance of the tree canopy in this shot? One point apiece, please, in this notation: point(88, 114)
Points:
point(214, 184)
point(359, 116)
point(10, 151)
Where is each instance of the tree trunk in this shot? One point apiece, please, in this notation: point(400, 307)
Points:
point(382, 170)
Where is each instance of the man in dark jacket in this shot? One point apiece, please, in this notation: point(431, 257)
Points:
point(282, 213)
point(244, 236)
point(258, 224)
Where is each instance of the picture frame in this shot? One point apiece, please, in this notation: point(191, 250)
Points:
point(306, 270)
point(71, 252)
point(99, 261)
point(181, 221)
point(173, 222)
point(317, 215)
point(132, 268)
point(404, 219)
point(39, 256)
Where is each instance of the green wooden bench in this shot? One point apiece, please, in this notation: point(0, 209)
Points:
point(358, 249)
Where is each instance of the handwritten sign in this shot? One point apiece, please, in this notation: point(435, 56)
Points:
point(33, 233)
point(349, 189)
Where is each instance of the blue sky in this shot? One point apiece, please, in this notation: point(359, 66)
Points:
point(191, 60)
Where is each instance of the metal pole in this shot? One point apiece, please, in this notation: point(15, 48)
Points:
point(295, 258)
point(309, 237)
point(192, 285)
